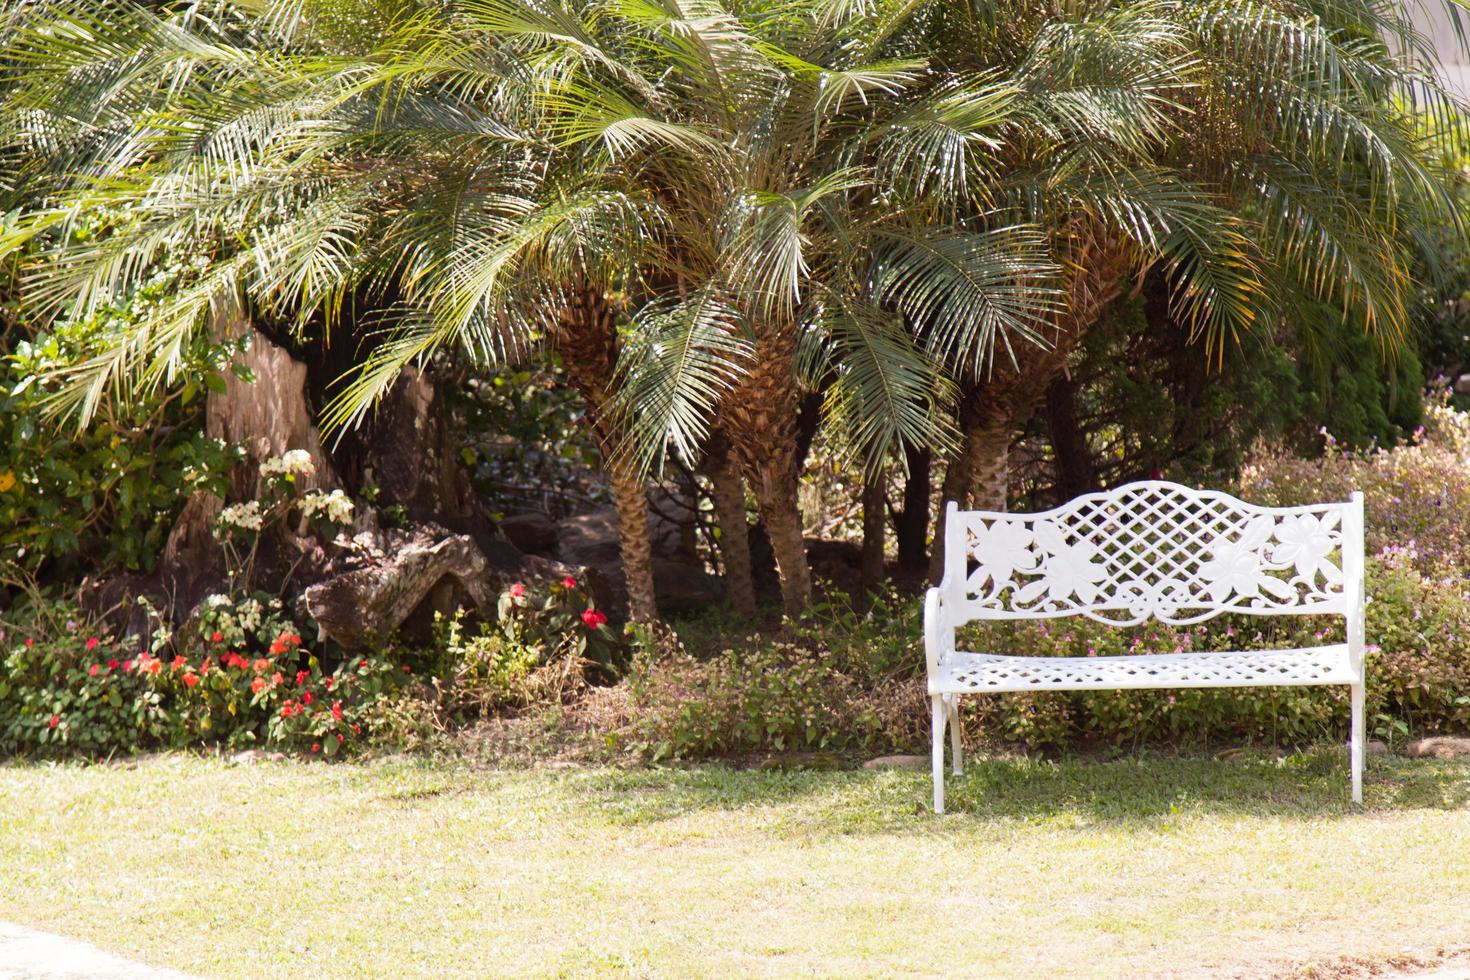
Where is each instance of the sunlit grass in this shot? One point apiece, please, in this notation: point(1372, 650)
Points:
point(417, 867)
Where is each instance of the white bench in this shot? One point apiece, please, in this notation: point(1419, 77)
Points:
point(1146, 551)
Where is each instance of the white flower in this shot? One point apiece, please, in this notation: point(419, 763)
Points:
point(245, 516)
point(294, 461)
point(336, 505)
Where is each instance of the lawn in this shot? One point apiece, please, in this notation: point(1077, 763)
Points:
point(411, 867)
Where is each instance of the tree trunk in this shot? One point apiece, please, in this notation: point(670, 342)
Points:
point(1007, 400)
point(630, 496)
point(761, 416)
point(1074, 471)
point(912, 524)
point(990, 456)
point(875, 500)
point(587, 339)
point(728, 491)
point(776, 499)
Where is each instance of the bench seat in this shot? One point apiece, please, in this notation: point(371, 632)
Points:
point(962, 672)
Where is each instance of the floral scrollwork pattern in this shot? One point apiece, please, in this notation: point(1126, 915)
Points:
point(1154, 551)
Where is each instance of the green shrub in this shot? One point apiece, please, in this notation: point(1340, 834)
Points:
point(66, 688)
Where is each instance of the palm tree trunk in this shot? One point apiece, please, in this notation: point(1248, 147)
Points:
point(874, 502)
point(728, 491)
point(775, 494)
point(587, 339)
point(990, 459)
point(630, 496)
point(761, 416)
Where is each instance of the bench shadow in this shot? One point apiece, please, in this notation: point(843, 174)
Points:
point(1143, 792)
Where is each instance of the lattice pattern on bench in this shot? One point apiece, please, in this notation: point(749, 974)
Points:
point(1153, 550)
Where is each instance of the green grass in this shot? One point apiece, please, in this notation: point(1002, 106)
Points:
point(415, 867)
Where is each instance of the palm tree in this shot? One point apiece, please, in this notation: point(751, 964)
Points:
point(1265, 160)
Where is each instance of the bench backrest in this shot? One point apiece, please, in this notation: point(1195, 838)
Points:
point(1155, 550)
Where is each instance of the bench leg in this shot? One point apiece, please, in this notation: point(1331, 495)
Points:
point(956, 750)
point(939, 719)
point(1358, 744)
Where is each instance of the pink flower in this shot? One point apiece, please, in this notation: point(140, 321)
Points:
point(569, 582)
point(518, 590)
point(55, 720)
point(92, 670)
point(593, 618)
point(92, 642)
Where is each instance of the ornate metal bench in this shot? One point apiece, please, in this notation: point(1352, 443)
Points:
point(1140, 552)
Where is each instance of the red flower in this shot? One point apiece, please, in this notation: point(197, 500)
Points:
point(204, 667)
point(92, 642)
point(30, 642)
point(337, 710)
point(216, 636)
point(112, 664)
point(288, 709)
point(307, 698)
point(179, 663)
point(340, 738)
point(276, 678)
point(277, 648)
point(55, 720)
point(357, 729)
point(256, 685)
point(569, 582)
point(92, 670)
point(518, 590)
point(301, 676)
point(127, 666)
point(190, 679)
point(316, 747)
point(405, 668)
point(362, 665)
point(329, 682)
point(155, 665)
point(593, 618)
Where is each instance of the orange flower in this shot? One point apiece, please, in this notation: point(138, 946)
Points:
point(262, 665)
point(276, 677)
point(256, 685)
point(191, 679)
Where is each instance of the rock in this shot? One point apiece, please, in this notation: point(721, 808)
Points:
point(359, 606)
point(684, 586)
point(898, 762)
point(250, 756)
point(533, 532)
point(803, 760)
point(1376, 748)
point(1437, 747)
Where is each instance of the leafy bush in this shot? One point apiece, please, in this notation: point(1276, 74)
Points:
point(66, 688)
point(543, 648)
point(107, 495)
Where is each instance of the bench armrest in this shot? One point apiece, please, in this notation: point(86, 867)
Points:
point(938, 628)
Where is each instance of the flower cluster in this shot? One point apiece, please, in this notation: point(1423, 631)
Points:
point(245, 517)
point(337, 506)
point(292, 463)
